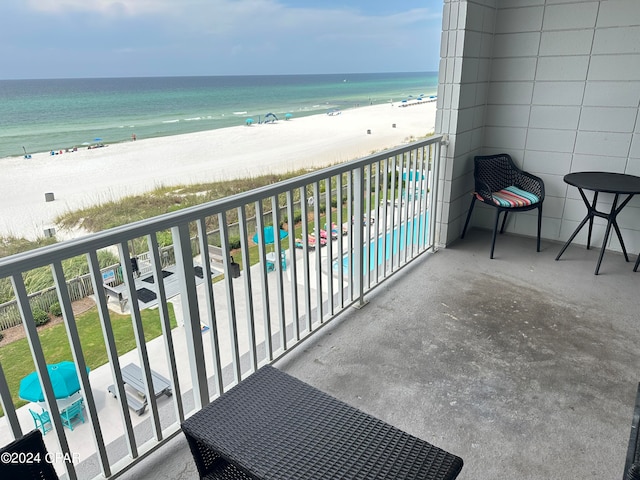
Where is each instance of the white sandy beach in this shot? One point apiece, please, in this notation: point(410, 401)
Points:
point(89, 177)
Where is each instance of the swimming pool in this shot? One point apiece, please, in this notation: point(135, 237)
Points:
point(390, 244)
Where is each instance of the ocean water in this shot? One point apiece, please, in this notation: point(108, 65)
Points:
point(44, 115)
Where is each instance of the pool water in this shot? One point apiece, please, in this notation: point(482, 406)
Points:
point(392, 245)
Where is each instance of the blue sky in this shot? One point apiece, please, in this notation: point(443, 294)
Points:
point(122, 38)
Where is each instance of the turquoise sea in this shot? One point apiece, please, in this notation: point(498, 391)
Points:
point(44, 115)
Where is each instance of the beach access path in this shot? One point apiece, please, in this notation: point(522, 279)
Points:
point(90, 177)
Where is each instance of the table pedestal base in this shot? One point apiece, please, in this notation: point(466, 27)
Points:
point(611, 221)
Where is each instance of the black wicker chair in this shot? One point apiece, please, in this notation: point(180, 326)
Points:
point(27, 459)
point(499, 183)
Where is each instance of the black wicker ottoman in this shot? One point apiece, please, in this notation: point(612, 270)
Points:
point(273, 426)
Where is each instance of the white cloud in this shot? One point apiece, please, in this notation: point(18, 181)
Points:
point(225, 16)
point(171, 8)
point(230, 36)
point(111, 8)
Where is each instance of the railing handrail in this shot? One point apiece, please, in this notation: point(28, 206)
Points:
point(384, 207)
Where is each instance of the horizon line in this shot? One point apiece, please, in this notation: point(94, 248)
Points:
point(216, 75)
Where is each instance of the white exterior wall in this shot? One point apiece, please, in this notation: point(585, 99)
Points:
point(465, 67)
point(554, 83)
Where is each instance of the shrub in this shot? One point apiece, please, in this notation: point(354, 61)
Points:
point(234, 243)
point(40, 316)
point(55, 309)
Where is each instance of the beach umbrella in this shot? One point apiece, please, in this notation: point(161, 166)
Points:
point(288, 116)
point(269, 235)
point(249, 121)
point(64, 380)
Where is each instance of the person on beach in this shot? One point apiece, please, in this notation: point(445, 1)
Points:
point(133, 137)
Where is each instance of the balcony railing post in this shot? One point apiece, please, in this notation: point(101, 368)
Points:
point(190, 313)
point(317, 256)
point(266, 307)
point(112, 355)
point(41, 367)
point(366, 222)
point(210, 302)
point(405, 185)
point(395, 202)
point(423, 227)
point(295, 311)
point(165, 323)
point(330, 253)
point(7, 406)
point(383, 224)
point(435, 202)
point(138, 333)
point(231, 299)
point(305, 257)
point(339, 222)
point(80, 363)
point(277, 244)
point(350, 239)
point(248, 286)
point(358, 240)
point(376, 259)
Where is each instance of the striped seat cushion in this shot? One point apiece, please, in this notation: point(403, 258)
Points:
point(512, 197)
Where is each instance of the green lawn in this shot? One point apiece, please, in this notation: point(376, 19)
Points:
point(16, 357)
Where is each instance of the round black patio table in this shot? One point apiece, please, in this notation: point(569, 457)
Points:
point(605, 182)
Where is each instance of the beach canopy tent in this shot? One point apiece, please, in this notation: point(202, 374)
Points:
point(270, 117)
point(269, 235)
point(64, 380)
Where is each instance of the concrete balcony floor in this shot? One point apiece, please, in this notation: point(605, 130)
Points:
point(523, 366)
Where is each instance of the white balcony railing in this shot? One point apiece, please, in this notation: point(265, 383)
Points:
point(381, 211)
